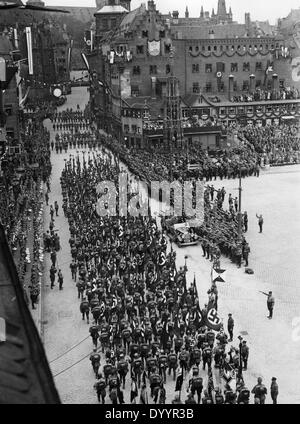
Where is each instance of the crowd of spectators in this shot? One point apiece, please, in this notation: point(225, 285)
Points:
point(262, 94)
point(20, 195)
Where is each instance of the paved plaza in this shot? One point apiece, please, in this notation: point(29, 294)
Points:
point(274, 345)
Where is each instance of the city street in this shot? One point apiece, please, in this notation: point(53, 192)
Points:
point(274, 348)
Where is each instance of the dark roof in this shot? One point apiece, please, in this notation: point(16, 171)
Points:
point(129, 18)
point(190, 99)
point(25, 376)
point(154, 105)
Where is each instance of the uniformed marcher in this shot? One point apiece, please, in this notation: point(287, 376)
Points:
point(270, 303)
point(94, 333)
point(122, 369)
point(85, 309)
point(196, 384)
point(244, 395)
point(260, 222)
point(230, 326)
point(274, 390)
point(245, 354)
point(246, 251)
point(259, 391)
point(95, 360)
point(219, 398)
point(172, 363)
point(100, 386)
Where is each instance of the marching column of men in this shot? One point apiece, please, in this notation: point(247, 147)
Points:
point(148, 322)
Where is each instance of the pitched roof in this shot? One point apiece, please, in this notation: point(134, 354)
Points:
point(203, 31)
point(154, 105)
point(129, 18)
point(111, 9)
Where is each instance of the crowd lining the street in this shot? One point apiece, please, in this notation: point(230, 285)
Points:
point(148, 322)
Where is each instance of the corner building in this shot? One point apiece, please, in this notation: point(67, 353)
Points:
point(218, 63)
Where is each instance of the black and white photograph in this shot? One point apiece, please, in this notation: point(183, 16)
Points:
point(149, 205)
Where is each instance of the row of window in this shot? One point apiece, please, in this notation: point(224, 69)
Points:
point(220, 87)
point(220, 67)
point(162, 34)
point(135, 113)
point(258, 109)
point(136, 70)
point(245, 86)
point(134, 129)
point(140, 49)
point(238, 48)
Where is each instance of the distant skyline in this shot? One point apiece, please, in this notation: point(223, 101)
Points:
point(260, 10)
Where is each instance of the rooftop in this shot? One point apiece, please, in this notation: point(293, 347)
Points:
point(111, 9)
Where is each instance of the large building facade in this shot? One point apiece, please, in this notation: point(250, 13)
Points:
point(9, 100)
point(225, 70)
point(50, 47)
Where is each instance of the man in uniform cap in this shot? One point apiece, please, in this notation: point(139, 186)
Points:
point(270, 303)
point(245, 354)
point(230, 325)
point(274, 390)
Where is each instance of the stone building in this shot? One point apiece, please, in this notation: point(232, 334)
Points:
point(9, 107)
point(225, 70)
point(50, 44)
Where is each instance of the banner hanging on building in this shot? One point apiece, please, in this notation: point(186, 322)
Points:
point(85, 61)
point(2, 69)
point(29, 50)
point(154, 48)
point(89, 39)
point(125, 84)
point(70, 55)
point(16, 38)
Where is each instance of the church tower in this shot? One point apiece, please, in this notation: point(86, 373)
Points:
point(222, 13)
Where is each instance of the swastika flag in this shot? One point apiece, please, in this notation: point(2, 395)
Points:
point(212, 319)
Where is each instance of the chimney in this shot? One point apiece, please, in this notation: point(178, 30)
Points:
point(186, 12)
point(151, 5)
point(175, 15)
point(202, 12)
point(247, 21)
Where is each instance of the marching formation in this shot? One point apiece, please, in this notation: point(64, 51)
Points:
point(146, 325)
